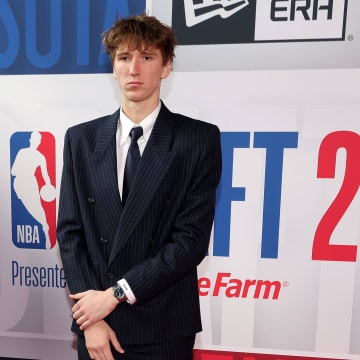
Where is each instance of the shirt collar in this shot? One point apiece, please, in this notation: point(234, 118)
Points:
point(147, 124)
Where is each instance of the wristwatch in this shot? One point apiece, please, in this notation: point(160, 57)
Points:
point(118, 292)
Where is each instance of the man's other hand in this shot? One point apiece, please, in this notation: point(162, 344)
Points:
point(92, 306)
point(97, 339)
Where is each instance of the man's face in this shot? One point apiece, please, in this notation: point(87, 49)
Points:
point(139, 73)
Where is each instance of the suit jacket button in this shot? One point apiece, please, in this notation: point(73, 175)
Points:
point(151, 241)
point(104, 240)
point(91, 200)
point(110, 275)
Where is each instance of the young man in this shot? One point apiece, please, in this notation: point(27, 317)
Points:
point(137, 203)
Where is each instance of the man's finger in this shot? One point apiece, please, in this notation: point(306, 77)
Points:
point(81, 320)
point(77, 314)
point(97, 354)
point(76, 307)
point(78, 295)
point(107, 353)
point(91, 354)
point(115, 343)
point(86, 324)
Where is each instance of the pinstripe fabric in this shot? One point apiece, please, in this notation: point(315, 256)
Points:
point(161, 235)
point(176, 349)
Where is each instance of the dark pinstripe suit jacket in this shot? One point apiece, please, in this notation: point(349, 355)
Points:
point(161, 235)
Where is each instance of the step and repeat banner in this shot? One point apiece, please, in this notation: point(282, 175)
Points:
point(281, 80)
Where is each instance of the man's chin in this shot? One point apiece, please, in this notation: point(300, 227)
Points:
point(136, 97)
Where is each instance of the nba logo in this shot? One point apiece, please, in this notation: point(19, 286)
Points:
point(33, 193)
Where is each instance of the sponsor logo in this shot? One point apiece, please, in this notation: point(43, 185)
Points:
point(294, 20)
point(200, 11)
point(33, 193)
point(307, 11)
point(222, 22)
point(236, 288)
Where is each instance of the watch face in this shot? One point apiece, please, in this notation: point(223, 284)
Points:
point(118, 292)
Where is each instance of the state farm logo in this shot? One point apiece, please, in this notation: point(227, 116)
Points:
point(221, 21)
point(236, 288)
point(200, 11)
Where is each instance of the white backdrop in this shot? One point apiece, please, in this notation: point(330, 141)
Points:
point(315, 313)
point(255, 298)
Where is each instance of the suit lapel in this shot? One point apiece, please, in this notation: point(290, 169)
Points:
point(153, 166)
point(105, 171)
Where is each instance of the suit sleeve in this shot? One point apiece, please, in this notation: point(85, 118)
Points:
point(189, 240)
point(79, 273)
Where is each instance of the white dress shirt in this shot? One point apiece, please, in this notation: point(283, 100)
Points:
point(123, 141)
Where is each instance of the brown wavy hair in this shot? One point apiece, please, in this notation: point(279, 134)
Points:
point(140, 32)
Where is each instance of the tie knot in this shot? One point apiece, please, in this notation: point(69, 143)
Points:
point(135, 133)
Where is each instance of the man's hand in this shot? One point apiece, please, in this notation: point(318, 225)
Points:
point(97, 339)
point(93, 306)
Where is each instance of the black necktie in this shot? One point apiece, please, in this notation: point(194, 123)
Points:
point(132, 160)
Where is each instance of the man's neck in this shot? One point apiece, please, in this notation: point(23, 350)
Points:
point(138, 111)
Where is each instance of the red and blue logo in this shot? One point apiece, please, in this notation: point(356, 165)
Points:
point(33, 190)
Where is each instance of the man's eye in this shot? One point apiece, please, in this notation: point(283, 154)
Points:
point(147, 57)
point(123, 58)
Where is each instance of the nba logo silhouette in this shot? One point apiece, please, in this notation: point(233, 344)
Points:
point(33, 193)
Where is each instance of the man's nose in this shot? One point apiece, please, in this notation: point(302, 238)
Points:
point(135, 66)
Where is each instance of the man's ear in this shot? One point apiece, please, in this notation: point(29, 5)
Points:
point(166, 70)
